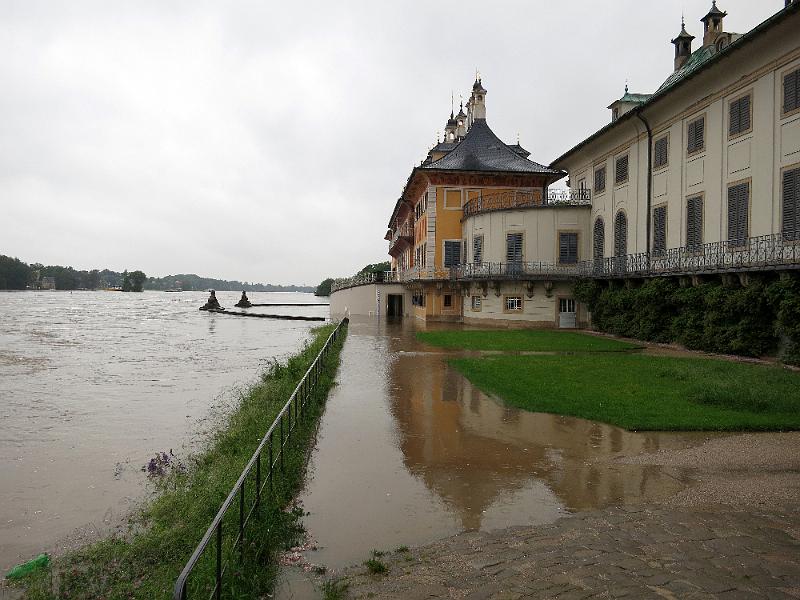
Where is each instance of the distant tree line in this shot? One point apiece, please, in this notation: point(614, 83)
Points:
point(17, 275)
point(192, 282)
point(324, 288)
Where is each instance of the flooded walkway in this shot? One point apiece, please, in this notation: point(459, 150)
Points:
point(409, 453)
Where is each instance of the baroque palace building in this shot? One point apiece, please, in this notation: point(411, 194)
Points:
point(701, 177)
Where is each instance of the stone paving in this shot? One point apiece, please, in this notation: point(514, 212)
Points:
point(628, 552)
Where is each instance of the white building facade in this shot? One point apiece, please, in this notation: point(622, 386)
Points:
point(712, 157)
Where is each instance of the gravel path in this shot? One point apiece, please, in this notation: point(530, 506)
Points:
point(733, 533)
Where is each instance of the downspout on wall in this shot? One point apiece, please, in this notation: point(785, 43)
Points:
point(649, 175)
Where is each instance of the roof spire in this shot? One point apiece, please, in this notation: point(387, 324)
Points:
point(452, 105)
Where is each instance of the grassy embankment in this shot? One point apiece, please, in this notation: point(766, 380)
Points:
point(145, 561)
point(631, 390)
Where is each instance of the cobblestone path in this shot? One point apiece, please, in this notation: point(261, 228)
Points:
point(634, 552)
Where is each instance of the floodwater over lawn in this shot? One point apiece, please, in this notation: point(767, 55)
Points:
point(409, 452)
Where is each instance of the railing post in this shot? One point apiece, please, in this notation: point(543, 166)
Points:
point(241, 517)
point(258, 480)
point(218, 591)
point(271, 461)
point(280, 450)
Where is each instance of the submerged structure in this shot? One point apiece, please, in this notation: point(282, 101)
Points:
point(701, 177)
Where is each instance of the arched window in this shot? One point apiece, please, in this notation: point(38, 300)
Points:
point(598, 242)
point(620, 234)
point(620, 241)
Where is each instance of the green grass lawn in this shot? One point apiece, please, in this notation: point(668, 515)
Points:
point(536, 340)
point(641, 392)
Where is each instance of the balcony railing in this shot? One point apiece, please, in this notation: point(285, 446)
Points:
point(521, 200)
point(404, 231)
point(366, 279)
point(766, 252)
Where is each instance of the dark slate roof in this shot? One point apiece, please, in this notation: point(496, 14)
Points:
point(482, 150)
point(444, 147)
point(519, 150)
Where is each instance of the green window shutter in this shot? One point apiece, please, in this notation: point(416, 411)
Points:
point(660, 152)
point(600, 179)
point(598, 239)
point(477, 249)
point(738, 202)
point(659, 230)
point(791, 204)
point(695, 135)
point(568, 248)
point(620, 234)
point(621, 169)
point(739, 115)
point(514, 247)
point(791, 91)
point(452, 251)
point(694, 223)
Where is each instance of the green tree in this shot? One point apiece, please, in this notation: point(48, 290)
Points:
point(14, 274)
point(126, 282)
point(375, 268)
point(137, 278)
point(324, 288)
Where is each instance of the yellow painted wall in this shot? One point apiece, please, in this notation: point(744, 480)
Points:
point(448, 224)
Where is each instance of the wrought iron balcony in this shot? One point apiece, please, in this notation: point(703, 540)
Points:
point(514, 200)
point(404, 233)
point(761, 253)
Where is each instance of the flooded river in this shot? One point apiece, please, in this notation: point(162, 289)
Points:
point(92, 384)
point(410, 452)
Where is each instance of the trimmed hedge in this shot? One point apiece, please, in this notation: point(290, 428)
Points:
point(759, 319)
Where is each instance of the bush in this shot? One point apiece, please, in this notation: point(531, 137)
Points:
point(758, 319)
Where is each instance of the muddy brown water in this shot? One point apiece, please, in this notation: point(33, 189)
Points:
point(409, 452)
point(92, 384)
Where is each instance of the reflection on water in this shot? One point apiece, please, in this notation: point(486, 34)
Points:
point(93, 383)
point(409, 451)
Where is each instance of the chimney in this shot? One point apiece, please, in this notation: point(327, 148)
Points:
point(683, 46)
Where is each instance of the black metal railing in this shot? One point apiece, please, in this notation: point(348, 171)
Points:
point(532, 199)
point(757, 253)
point(366, 279)
point(281, 432)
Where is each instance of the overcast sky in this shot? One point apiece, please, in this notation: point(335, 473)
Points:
point(267, 141)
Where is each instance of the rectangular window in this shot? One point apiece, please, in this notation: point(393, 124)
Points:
point(452, 198)
point(791, 91)
point(514, 247)
point(600, 179)
point(739, 114)
point(659, 230)
point(476, 303)
point(621, 170)
point(661, 152)
point(696, 136)
point(738, 204)
point(452, 253)
point(694, 223)
point(448, 301)
point(791, 204)
point(477, 249)
point(513, 303)
point(568, 248)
